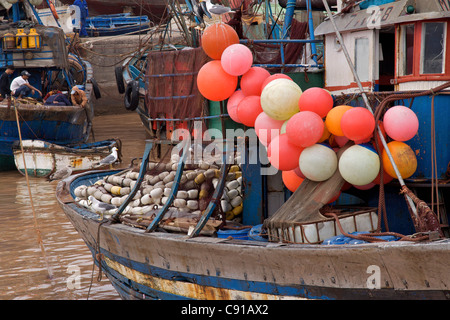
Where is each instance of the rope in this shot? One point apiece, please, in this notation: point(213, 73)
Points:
point(372, 237)
point(36, 225)
point(97, 257)
point(427, 219)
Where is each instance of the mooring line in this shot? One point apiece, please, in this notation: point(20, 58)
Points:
point(36, 225)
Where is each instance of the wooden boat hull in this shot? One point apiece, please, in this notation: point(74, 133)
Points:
point(43, 158)
point(155, 10)
point(167, 265)
point(104, 32)
point(62, 125)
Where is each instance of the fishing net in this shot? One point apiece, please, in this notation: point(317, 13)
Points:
point(52, 37)
point(266, 53)
point(171, 82)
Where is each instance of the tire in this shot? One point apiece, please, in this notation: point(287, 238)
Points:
point(131, 99)
point(96, 89)
point(119, 80)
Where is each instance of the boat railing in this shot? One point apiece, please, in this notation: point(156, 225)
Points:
point(282, 42)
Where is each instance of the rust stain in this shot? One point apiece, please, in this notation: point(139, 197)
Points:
point(76, 163)
point(188, 289)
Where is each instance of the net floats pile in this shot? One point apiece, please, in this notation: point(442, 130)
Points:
point(197, 185)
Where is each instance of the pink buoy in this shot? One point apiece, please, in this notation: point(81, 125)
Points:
point(232, 104)
point(274, 77)
point(267, 128)
point(366, 186)
point(400, 123)
point(249, 109)
point(358, 124)
point(317, 100)
point(341, 140)
point(305, 128)
point(236, 59)
point(299, 172)
point(252, 81)
point(282, 154)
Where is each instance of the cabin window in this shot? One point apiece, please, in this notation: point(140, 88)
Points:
point(407, 50)
point(362, 58)
point(433, 47)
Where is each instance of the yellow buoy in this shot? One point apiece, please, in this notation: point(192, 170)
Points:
point(33, 39)
point(21, 39)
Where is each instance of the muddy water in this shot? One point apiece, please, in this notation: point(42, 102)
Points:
point(24, 268)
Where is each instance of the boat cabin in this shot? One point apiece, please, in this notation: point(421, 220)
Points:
point(395, 46)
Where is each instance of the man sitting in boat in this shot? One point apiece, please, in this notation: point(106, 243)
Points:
point(20, 87)
point(78, 97)
point(5, 83)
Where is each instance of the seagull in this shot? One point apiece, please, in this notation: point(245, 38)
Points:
point(216, 9)
point(100, 207)
point(110, 159)
point(60, 174)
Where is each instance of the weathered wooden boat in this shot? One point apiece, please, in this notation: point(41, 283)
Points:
point(160, 263)
point(117, 24)
point(44, 158)
point(158, 253)
point(45, 56)
point(155, 9)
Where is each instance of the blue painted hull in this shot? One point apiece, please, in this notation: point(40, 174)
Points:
point(421, 143)
point(59, 125)
point(163, 265)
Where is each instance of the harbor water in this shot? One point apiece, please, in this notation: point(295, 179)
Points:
point(25, 266)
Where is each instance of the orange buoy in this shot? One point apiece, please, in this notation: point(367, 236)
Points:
point(209, 76)
point(404, 158)
point(291, 180)
point(333, 119)
point(216, 38)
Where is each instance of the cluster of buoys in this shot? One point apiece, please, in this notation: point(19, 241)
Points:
point(303, 130)
point(197, 185)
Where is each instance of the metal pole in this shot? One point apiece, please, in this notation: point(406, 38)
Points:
point(311, 30)
point(366, 101)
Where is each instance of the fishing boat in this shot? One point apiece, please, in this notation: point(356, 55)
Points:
point(43, 158)
point(116, 24)
point(155, 10)
point(43, 52)
point(379, 243)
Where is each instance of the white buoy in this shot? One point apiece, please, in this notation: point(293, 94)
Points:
point(318, 162)
point(359, 165)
